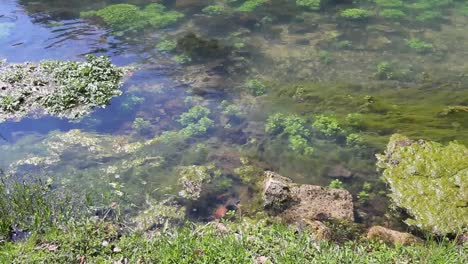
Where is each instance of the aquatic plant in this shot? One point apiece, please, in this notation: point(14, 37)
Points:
point(336, 184)
point(248, 173)
point(123, 18)
point(230, 109)
point(356, 14)
point(294, 128)
point(325, 56)
point(255, 87)
point(182, 58)
point(141, 125)
point(429, 181)
point(92, 83)
point(327, 125)
point(392, 13)
point(354, 139)
point(389, 3)
point(196, 121)
point(429, 15)
point(192, 179)
point(384, 71)
point(199, 48)
point(344, 44)
point(62, 88)
point(250, 5)
point(419, 45)
point(214, 10)
point(310, 4)
point(166, 45)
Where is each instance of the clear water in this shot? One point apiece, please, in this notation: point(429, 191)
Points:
point(284, 47)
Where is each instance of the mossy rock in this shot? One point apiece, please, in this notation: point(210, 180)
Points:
point(430, 181)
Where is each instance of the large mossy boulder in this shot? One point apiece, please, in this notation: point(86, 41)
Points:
point(430, 181)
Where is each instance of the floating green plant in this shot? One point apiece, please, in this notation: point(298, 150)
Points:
point(124, 18)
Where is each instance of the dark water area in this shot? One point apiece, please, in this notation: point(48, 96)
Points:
point(310, 92)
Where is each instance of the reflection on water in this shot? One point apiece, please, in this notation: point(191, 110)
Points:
point(371, 77)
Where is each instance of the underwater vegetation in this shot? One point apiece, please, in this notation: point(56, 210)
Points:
point(428, 180)
point(414, 111)
point(125, 18)
point(356, 14)
point(196, 121)
point(61, 88)
point(295, 128)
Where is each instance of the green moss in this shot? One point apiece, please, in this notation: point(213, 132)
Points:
point(356, 14)
point(123, 18)
point(429, 181)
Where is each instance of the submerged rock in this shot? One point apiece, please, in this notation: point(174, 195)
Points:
point(429, 181)
point(391, 236)
point(294, 202)
point(339, 171)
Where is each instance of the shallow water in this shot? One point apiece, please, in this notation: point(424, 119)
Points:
point(309, 63)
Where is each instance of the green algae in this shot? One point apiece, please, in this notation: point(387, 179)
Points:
point(61, 88)
point(429, 180)
point(250, 5)
point(382, 110)
point(123, 18)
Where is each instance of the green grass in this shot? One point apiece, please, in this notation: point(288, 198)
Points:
point(74, 236)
